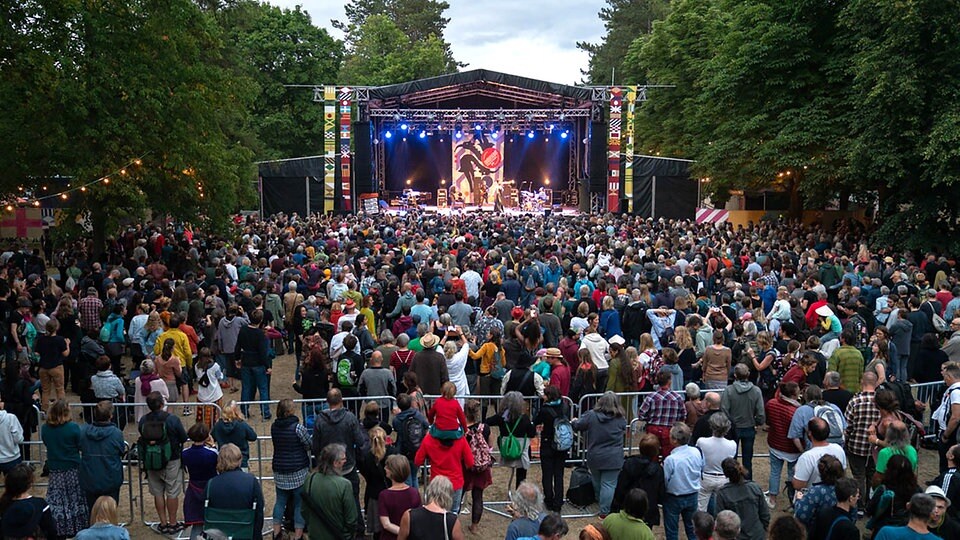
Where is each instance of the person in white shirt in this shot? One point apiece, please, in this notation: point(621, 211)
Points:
point(806, 472)
point(947, 414)
point(715, 449)
point(472, 280)
point(336, 342)
point(11, 435)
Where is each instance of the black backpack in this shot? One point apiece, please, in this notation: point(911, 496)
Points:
point(580, 493)
point(413, 434)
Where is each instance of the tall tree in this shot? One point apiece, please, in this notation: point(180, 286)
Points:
point(624, 20)
point(128, 79)
point(277, 47)
point(417, 19)
point(382, 54)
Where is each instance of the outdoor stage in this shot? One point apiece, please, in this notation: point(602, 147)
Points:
point(483, 210)
point(475, 137)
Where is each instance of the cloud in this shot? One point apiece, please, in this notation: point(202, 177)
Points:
point(532, 38)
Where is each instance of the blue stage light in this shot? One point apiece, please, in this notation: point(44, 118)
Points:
point(495, 135)
point(423, 134)
point(388, 135)
point(478, 127)
point(563, 135)
point(529, 134)
point(459, 134)
point(404, 126)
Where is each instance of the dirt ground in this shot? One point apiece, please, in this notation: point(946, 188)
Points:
point(492, 526)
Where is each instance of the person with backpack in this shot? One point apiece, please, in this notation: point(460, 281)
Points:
point(556, 440)
point(815, 406)
point(479, 477)
point(604, 425)
point(410, 426)
point(337, 425)
point(348, 367)
point(161, 440)
point(448, 458)
point(516, 430)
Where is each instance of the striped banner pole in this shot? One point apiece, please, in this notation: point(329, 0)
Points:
point(346, 96)
point(329, 147)
point(628, 151)
point(613, 150)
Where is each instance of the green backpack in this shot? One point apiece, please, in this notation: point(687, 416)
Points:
point(154, 448)
point(511, 448)
point(344, 377)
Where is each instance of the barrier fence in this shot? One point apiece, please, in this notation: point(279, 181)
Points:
point(138, 500)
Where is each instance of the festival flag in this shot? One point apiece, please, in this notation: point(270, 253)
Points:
point(628, 150)
point(613, 150)
point(329, 147)
point(346, 124)
point(22, 223)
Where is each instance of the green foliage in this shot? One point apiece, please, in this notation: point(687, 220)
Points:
point(421, 21)
point(624, 20)
point(382, 54)
point(120, 80)
point(277, 47)
point(820, 99)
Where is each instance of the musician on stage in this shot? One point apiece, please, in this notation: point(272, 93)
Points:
point(496, 188)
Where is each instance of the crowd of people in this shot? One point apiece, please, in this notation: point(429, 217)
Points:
point(412, 337)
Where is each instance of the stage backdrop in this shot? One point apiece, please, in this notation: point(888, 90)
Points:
point(477, 164)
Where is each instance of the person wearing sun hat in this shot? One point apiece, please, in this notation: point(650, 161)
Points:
point(941, 524)
point(829, 323)
point(349, 313)
point(430, 365)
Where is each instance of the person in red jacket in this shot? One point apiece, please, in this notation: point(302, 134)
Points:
point(559, 372)
point(446, 415)
point(780, 411)
point(447, 458)
point(798, 373)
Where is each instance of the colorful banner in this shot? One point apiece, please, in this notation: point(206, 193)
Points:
point(346, 96)
point(477, 168)
point(613, 150)
point(329, 147)
point(628, 149)
point(22, 223)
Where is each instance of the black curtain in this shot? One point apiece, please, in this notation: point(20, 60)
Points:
point(286, 186)
point(663, 188)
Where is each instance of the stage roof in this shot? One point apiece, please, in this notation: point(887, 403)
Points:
point(480, 88)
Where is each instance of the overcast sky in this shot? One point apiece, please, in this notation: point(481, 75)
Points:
point(532, 38)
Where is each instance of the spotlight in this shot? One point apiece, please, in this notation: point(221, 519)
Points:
point(459, 134)
point(423, 134)
point(478, 127)
point(563, 135)
point(546, 181)
point(404, 126)
point(404, 139)
point(530, 134)
point(409, 181)
point(388, 135)
point(547, 139)
point(495, 135)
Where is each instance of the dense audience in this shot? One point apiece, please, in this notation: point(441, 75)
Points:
point(799, 334)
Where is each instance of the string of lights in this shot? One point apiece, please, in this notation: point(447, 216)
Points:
point(34, 200)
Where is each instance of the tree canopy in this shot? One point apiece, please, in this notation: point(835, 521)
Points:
point(824, 100)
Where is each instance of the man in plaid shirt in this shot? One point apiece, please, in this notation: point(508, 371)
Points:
point(662, 409)
point(862, 412)
point(89, 308)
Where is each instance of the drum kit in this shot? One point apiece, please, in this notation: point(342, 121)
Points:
point(534, 201)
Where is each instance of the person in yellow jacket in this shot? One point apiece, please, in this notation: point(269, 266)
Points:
point(181, 349)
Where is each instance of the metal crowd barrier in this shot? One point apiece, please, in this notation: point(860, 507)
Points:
point(131, 459)
point(353, 403)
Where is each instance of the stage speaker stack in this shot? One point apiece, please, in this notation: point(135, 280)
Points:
point(364, 181)
point(441, 198)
